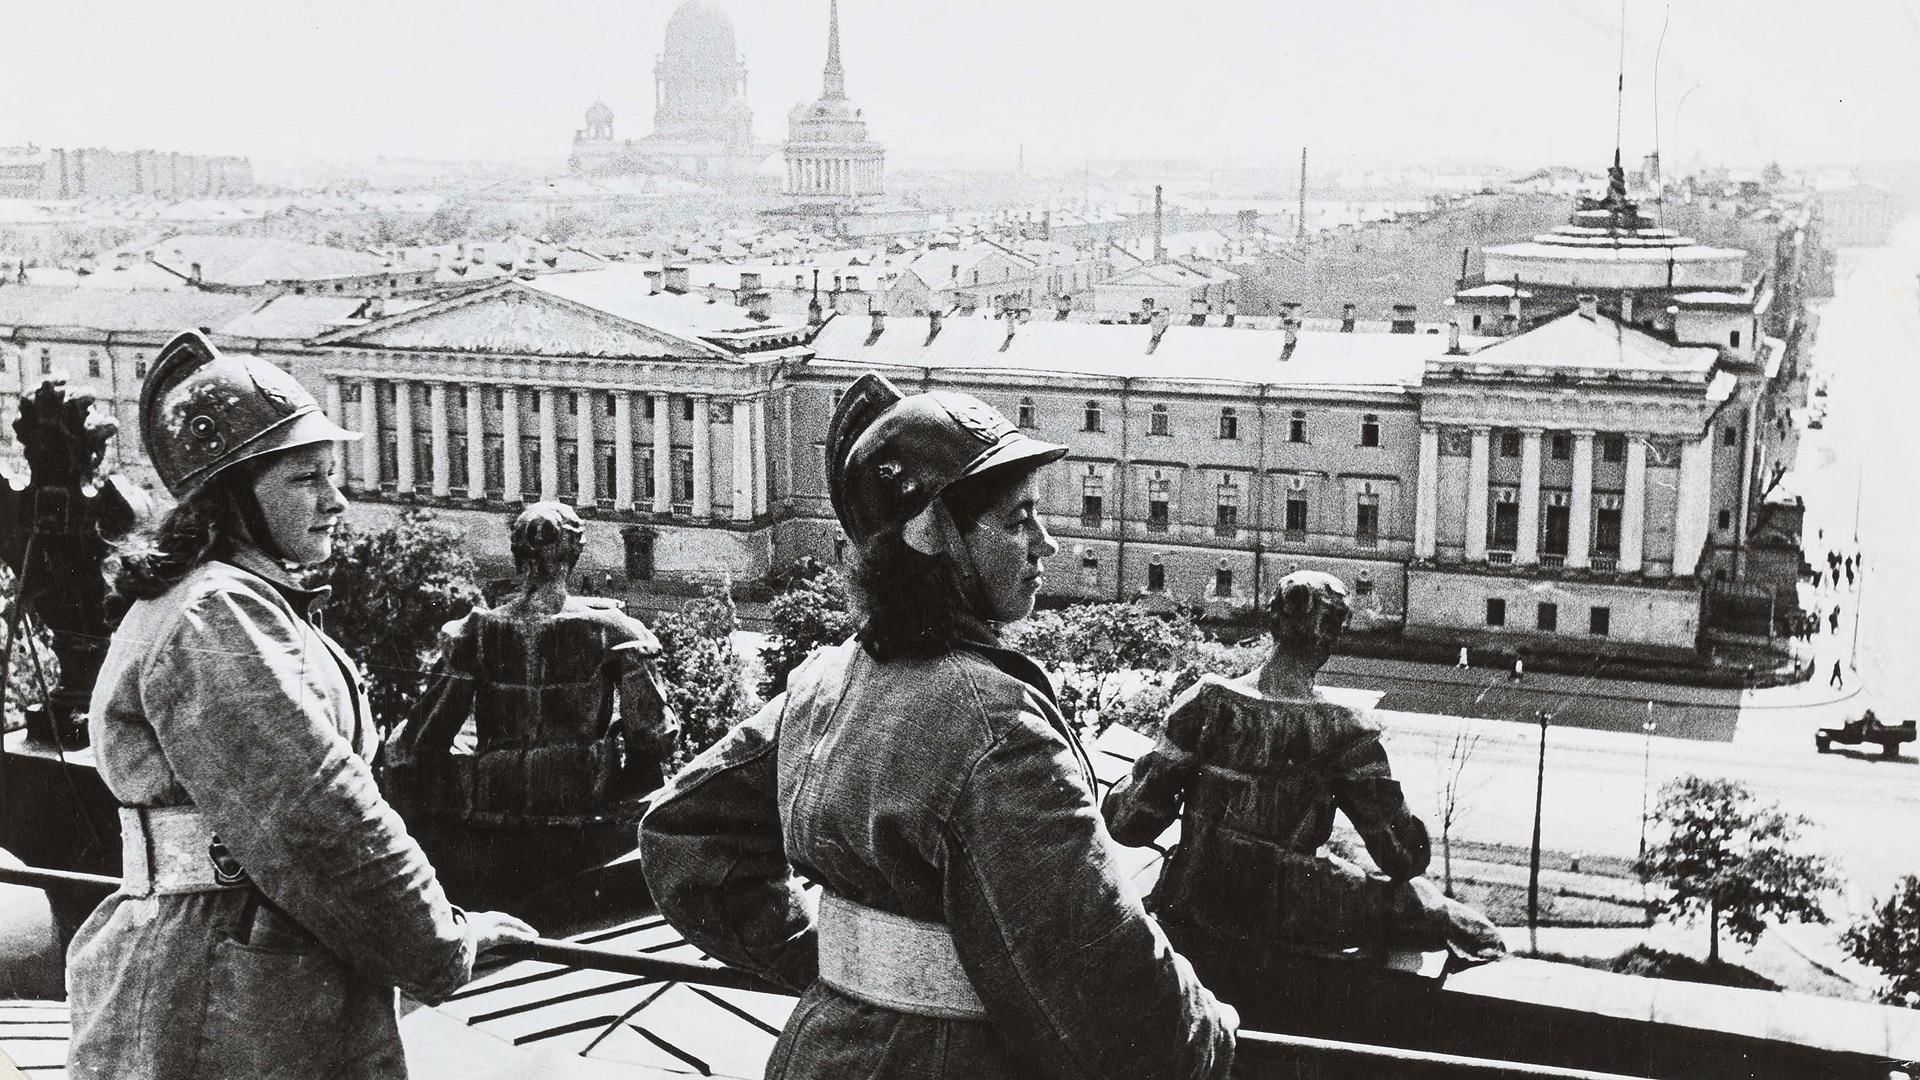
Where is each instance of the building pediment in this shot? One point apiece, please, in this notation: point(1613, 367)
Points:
point(512, 319)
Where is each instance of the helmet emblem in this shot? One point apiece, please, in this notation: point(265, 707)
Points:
point(206, 431)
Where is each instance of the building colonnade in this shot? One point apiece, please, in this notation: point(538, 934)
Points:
point(492, 462)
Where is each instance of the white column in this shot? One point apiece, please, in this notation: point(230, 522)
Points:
point(1426, 505)
point(662, 455)
point(1527, 551)
point(761, 502)
point(742, 461)
point(702, 460)
point(1690, 522)
point(510, 443)
point(622, 450)
point(1580, 514)
point(369, 435)
point(549, 443)
point(336, 412)
point(476, 443)
point(1477, 465)
point(1633, 506)
point(437, 422)
point(586, 462)
point(403, 437)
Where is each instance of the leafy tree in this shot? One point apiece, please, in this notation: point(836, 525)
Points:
point(810, 610)
point(1739, 860)
point(1101, 651)
point(701, 669)
point(1889, 940)
point(393, 589)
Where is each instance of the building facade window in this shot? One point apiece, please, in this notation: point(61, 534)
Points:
point(1093, 494)
point(1366, 522)
point(1370, 430)
point(1029, 415)
point(494, 461)
point(530, 467)
point(1089, 569)
point(1297, 515)
point(1560, 446)
point(1496, 611)
point(683, 476)
point(457, 460)
point(1547, 618)
point(1509, 444)
point(93, 364)
point(686, 407)
point(1725, 519)
point(1156, 576)
point(569, 472)
point(459, 397)
point(1229, 424)
point(1613, 449)
point(1606, 531)
point(1600, 621)
point(1158, 502)
point(1733, 339)
point(1091, 420)
point(1226, 511)
point(1223, 582)
point(1506, 526)
point(1297, 426)
point(1730, 435)
point(1159, 422)
point(349, 392)
point(46, 361)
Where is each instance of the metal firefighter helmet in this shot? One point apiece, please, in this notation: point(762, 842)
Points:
point(202, 412)
point(890, 455)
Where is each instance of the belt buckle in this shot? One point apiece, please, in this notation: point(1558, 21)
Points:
point(227, 870)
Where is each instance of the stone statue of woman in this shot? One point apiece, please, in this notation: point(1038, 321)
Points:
point(1254, 769)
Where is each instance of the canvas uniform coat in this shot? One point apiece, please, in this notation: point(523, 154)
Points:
point(948, 790)
point(221, 695)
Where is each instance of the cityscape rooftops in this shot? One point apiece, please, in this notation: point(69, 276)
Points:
point(1583, 346)
point(255, 260)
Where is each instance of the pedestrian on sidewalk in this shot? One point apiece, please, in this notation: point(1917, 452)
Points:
point(1519, 670)
point(1849, 573)
point(1816, 579)
point(1833, 619)
point(1835, 679)
point(1463, 657)
point(1833, 562)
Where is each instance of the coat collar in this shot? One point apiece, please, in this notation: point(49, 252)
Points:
point(273, 572)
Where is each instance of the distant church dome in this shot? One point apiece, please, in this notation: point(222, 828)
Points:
point(699, 30)
point(598, 113)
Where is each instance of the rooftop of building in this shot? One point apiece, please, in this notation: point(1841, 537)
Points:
point(1584, 345)
point(625, 293)
point(242, 261)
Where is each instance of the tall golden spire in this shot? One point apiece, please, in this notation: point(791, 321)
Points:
point(834, 84)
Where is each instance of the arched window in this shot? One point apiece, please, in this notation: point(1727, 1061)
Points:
point(1029, 415)
point(1159, 422)
point(1229, 423)
point(1093, 420)
point(1369, 430)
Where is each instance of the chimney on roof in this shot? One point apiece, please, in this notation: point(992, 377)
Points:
point(1346, 318)
point(1626, 306)
point(1198, 314)
point(1062, 307)
point(759, 305)
point(1403, 318)
point(933, 325)
point(1513, 307)
point(1159, 245)
point(1589, 306)
point(1453, 338)
point(653, 282)
point(1292, 342)
point(879, 327)
point(436, 260)
point(675, 279)
point(1232, 309)
point(1160, 320)
point(123, 260)
point(749, 281)
point(376, 307)
point(1012, 325)
point(193, 273)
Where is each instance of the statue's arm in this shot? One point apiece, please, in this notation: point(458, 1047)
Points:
point(1366, 792)
point(1147, 800)
point(448, 700)
point(645, 715)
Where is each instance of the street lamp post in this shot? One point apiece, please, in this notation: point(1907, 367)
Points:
point(1533, 865)
point(1646, 772)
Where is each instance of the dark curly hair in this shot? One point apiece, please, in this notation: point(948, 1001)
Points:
point(911, 604)
point(203, 526)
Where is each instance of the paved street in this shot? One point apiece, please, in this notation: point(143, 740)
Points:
point(1599, 762)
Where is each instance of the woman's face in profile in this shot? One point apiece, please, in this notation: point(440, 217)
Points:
point(1008, 545)
point(300, 502)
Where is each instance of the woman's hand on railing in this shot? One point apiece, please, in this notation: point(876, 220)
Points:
point(492, 929)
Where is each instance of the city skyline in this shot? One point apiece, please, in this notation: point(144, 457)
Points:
point(1464, 81)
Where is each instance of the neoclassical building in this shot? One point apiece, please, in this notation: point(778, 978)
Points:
point(829, 156)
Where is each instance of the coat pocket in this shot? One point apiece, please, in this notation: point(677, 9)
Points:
point(274, 1013)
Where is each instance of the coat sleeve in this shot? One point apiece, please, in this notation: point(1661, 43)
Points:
point(1074, 974)
point(246, 729)
point(1366, 792)
point(1147, 800)
point(713, 855)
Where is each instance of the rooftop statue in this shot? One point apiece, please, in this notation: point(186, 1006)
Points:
point(53, 534)
point(1254, 769)
point(544, 727)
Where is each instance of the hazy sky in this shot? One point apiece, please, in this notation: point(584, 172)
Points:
point(1512, 81)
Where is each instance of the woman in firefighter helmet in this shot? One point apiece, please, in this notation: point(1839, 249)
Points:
point(972, 920)
point(270, 901)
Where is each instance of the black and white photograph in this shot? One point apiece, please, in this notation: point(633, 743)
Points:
point(859, 540)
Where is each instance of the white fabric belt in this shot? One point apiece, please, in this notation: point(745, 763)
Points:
point(169, 849)
point(893, 961)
